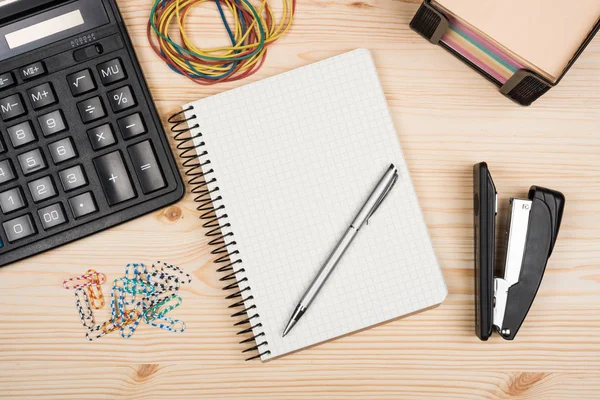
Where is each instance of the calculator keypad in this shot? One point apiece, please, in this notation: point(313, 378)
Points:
point(77, 146)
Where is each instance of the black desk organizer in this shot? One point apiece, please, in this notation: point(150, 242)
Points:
point(524, 87)
point(76, 113)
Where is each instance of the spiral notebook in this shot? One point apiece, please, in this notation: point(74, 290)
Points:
point(280, 168)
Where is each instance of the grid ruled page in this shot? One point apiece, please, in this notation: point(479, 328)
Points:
point(295, 157)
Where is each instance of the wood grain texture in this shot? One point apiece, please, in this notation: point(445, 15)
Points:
point(448, 118)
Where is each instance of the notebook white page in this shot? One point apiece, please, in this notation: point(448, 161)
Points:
point(295, 157)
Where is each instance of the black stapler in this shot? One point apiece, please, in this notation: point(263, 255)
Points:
point(502, 302)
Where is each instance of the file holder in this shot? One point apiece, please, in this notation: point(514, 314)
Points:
point(523, 87)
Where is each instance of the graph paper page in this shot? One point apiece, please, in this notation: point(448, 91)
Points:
point(295, 157)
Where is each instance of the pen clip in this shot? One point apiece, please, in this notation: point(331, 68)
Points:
point(383, 196)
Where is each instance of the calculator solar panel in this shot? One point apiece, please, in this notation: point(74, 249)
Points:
point(81, 145)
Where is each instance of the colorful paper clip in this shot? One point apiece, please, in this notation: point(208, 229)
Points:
point(178, 275)
point(162, 284)
point(117, 305)
point(168, 324)
point(133, 287)
point(127, 330)
point(95, 290)
point(157, 311)
point(113, 324)
point(83, 307)
point(93, 281)
point(90, 278)
point(136, 271)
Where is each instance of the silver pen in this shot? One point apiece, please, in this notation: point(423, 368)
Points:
point(377, 197)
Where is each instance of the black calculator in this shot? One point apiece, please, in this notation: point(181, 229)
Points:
point(81, 145)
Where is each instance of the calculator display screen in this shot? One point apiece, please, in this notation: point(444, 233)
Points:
point(7, 2)
point(46, 27)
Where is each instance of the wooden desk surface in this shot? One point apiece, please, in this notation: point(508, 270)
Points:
point(448, 118)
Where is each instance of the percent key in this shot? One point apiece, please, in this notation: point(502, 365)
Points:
point(121, 99)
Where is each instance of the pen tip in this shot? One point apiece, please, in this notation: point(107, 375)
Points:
point(289, 327)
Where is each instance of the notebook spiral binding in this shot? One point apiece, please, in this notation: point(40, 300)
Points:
point(201, 176)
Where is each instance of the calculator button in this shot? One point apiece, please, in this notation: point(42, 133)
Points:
point(132, 126)
point(101, 137)
point(146, 167)
point(32, 161)
point(12, 107)
point(52, 216)
point(42, 189)
point(6, 171)
point(41, 96)
point(62, 150)
point(81, 82)
point(111, 71)
point(21, 134)
point(32, 71)
point(12, 200)
point(7, 80)
point(121, 99)
point(19, 228)
point(72, 178)
point(52, 123)
point(114, 178)
point(2, 148)
point(83, 205)
point(91, 109)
